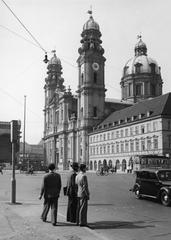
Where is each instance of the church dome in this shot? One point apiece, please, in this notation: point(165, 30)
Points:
point(54, 60)
point(141, 63)
point(91, 24)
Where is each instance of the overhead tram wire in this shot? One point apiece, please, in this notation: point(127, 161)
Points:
point(18, 35)
point(45, 60)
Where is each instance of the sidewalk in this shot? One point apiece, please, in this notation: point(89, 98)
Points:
point(21, 221)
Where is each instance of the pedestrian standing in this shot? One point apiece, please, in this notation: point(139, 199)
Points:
point(83, 196)
point(1, 170)
point(51, 187)
point(72, 193)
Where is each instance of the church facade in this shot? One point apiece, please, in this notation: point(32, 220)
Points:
point(80, 127)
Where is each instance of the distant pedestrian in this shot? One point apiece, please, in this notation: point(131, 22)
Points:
point(83, 196)
point(1, 170)
point(72, 193)
point(51, 187)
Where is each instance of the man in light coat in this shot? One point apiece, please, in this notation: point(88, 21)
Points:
point(83, 196)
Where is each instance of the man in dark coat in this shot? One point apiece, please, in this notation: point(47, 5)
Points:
point(50, 189)
point(72, 193)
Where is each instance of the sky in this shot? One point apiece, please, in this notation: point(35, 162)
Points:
point(57, 25)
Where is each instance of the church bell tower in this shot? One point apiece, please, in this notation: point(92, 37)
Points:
point(91, 88)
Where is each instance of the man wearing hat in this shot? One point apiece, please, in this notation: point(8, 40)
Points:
point(72, 193)
point(50, 189)
point(83, 196)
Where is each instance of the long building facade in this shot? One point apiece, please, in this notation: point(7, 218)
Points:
point(88, 127)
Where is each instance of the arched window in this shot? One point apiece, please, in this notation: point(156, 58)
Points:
point(138, 67)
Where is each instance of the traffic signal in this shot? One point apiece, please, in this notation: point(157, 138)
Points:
point(15, 131)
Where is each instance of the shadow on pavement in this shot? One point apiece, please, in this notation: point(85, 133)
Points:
point(118, 225)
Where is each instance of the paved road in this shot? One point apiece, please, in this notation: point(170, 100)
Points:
point(113, 212)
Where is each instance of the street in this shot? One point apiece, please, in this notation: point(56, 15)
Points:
point(113, 211)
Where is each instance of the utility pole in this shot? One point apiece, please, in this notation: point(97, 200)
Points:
point(24, 158)
point(15, 139)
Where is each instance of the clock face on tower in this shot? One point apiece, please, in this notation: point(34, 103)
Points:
point(95, 66)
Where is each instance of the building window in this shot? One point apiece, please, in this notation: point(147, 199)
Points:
point(153, 90)
point(82, 78)
point(117, 134)
point(81, 112)
point(113, 148)
point(137, 145)
point(137, 130)
point(108, 136)
point(126, 146)
point(104, 149)
point(95, 111)
point(117, 147)
point(126, 132)
point(95, 77)
point(155, 126)
point(122, 147)
point(142, 145)
point(152, 65)
point(131, 131)
point(148, 127)
point(122, 133)
point(104, 136)
point(169, 124)
point(169, 141)
point(142, 129)
point(138, 89)
point(131, 146)
point(100, 150)
point(129, 89)
point(100, 137)
point(108, 149)
point(138, 68)
point(155, 143)
point(112, 135)
point(148, 144)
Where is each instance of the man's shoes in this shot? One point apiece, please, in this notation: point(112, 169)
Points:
point(44, 220)
point(54, 224)
point(83, 225)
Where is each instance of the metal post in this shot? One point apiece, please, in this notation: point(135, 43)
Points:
point(13, 181)
point(24, 130)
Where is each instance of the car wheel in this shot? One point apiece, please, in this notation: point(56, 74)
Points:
point(164, 197)
point(137, 192)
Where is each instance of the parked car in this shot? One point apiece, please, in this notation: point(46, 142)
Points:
point(153, 183)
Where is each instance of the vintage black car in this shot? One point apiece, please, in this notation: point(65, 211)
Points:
point(153, 183)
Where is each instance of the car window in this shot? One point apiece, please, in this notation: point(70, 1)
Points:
point(152, 176)
point(164, 175)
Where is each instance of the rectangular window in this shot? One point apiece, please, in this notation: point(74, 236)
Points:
point(108, 136)
point(148, 127)
point(143, 145)
point(148, 144)
point(137, 130)
point(131, 146)
point(126, 132)
point(117, 134)
point(122, 147)
point(117, 147)
point(95, 111)
point(122, 133)
point(113, 148)
point(142, 129)
point(131, 131)
point(169, 141)
point(137, 145)
point(155, 143)
point(126, 146)
point(104, 136)
point(112, 135)
point(155, 126)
